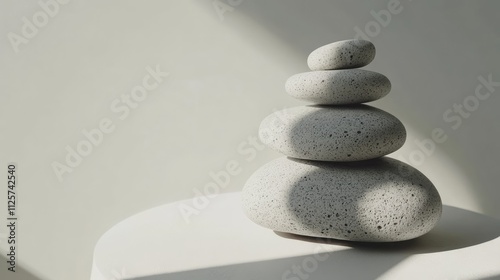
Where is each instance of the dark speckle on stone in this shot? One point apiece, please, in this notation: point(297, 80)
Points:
point(280, 197)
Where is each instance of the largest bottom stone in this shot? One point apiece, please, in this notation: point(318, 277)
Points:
point(379, 200)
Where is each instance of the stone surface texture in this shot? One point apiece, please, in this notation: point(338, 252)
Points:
point(336, 181)
point(380, 200)
point(332, 133)
point(338, 87)
point(341, 55)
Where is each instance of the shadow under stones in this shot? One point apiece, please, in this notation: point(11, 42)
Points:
point(457, 229)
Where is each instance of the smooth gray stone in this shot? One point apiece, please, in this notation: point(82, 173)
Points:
point(333, 133)
point(380, 200)
point(342, 55)
point(337, 87)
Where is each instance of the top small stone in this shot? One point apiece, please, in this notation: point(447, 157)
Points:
point(342, 55)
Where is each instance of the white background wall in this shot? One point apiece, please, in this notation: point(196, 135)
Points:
point(226, 73)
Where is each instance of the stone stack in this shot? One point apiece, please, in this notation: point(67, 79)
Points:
point(335, 181)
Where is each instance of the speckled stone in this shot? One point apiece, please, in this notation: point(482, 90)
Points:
point(342, 55)
point(380, 200)
point(338, 86)
point(333, 133)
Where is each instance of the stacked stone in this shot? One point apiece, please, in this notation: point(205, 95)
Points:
point(335, 181)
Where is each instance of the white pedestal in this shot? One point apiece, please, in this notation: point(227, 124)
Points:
point(221, 243)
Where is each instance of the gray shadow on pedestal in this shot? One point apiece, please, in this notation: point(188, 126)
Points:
point(457, 229)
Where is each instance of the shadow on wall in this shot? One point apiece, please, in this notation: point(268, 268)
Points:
point(457, 229)
point(305, 25)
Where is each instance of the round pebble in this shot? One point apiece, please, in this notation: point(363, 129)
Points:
point(333, 133)
point(380, 200)
point(338, 87)
point(342, 55)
